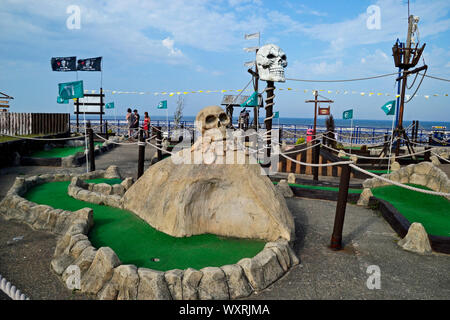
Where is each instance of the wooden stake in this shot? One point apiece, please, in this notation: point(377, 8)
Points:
point(91, 151)
point(336, 238)
point(141, 154)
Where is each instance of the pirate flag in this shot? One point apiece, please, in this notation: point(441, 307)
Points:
point(91, 64)
point(64, 64)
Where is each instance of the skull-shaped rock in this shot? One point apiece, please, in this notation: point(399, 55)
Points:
point(214, 119)
point(271, 61)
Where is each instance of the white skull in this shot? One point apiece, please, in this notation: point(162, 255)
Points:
point(212, 117)
point(271, 61)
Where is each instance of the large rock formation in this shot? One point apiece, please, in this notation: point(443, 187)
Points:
point(229, 200)
point(213, 196)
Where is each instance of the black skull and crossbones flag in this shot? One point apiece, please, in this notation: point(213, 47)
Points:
point(90, 64)
point(64, 64)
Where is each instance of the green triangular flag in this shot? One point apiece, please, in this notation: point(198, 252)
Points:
point(61, 100)
point(162, 104)
point(276, 114)
point(109, 105)
point(252, 101)
point(348, 114)
point(389, 108)
point(71, 90)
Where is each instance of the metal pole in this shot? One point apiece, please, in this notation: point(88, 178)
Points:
point(106, 130)
point(141, 154)
point(336, 237)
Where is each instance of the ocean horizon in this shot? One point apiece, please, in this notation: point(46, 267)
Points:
point(361, 123)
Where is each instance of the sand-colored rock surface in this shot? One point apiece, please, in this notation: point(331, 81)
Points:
point(230, 200)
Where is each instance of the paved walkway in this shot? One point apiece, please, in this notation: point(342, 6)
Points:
point(322, 274)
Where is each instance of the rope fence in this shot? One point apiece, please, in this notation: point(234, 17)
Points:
point(11, 291)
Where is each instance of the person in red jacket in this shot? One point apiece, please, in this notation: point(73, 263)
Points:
point(146, 125)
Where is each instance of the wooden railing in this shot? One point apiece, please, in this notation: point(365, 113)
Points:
point(33, 123)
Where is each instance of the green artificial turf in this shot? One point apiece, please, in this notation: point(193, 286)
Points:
point(350, 190)
point(60, 152)
point(380, 171)
point(433, 212)
point(136, 242)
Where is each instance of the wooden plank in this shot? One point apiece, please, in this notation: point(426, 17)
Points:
point(298, 165)
point(288, 165)
point(309, 154)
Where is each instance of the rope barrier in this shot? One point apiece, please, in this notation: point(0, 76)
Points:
point(437, 155)
point(118, 143)
point(11, 291)
point(435, 193)
point(377, 158)
point(371, 144)
point(158, 148)
point(314, 164)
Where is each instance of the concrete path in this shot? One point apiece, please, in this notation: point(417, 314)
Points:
point(322, 274)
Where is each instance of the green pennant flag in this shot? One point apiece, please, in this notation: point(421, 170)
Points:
point(109, 105)
point(276, 114)
point(162, 104)
point(252, 101)
point(71, 90)
point(61, 100)
point(389, 108)
point(348, 114)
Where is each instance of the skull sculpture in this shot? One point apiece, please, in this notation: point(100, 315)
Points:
point(212, 117)
point(271, 61)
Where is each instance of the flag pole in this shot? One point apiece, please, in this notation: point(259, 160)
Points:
point(351, 134)
point(392, 138)
point(85, 139)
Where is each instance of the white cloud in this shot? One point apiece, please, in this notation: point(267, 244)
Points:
point(168, 43)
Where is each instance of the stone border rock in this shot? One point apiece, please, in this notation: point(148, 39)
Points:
point(103, 275)
point(423, 173)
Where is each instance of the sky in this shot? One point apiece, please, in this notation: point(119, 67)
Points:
point(153, 46)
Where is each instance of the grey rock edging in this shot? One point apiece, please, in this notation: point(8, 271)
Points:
point(103, 275)
point(79, 158)
point(423, 173)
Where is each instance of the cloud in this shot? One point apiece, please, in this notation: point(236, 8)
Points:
point(168, 43)
point(353, 32)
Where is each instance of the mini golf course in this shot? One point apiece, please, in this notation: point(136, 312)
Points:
point(433, 212)
point(136, 242)
point(60, 152)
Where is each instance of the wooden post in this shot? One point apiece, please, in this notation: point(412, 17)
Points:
point(426, 156)
point(336, 238)
point(316, 155)
point(77, 105)
point(90, 133)
point(159, 142)
point(101, 109)
point(269, 113)
point(106, 130)
point(141, 154)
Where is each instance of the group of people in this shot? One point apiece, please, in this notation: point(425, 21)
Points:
point(243, 120)
point(133, 124)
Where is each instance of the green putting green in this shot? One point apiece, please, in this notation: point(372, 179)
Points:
point(60, 152)
point(136, 242)
point(433, 212)
point(380, 171)
point(350, 190)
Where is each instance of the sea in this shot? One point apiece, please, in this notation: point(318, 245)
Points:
point(299, 122)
